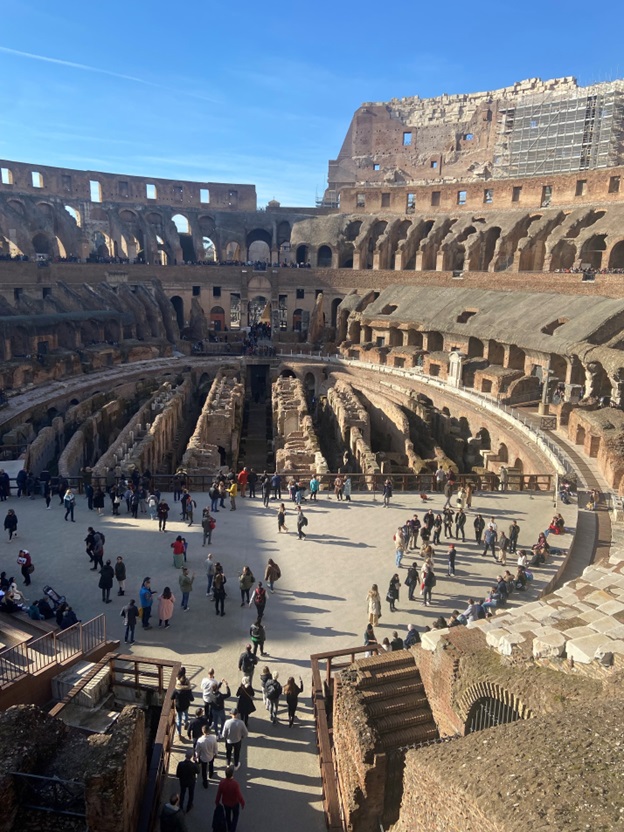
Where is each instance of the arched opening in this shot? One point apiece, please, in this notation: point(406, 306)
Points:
point(257, 309)
point(517, 358)
point(20, 342)
point(616, 258)
point(42, 244)
point(496, 353)
point(259, 246)
point(90, 333)
point(283, 234)
point(591, 252)
point(217, 318)
point(100, 249)
point(287, 374)
point(579, 438)
point(503, 453)
point(162, 253)
point(302, 255)
point(232, 252)
point(489, 711)
point(518, 465)
point(484, 439)
point(186, 238)
point(395, 337)
point(324, 257)
point(209, 251)
point(352, 230)
point(354, 332)
point(563, 256)
point(178, 305)
point(334, 311)
point(487, 248)
point(435, 341)
point(309, 382)
point(66, 336)
point(297, 320)
point(414, 338)
point(346, 256)
point(475, 348)
point(74, 214)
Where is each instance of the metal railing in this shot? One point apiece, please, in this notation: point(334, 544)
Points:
point(32, 656)
point(50, 794)
point(551, 449)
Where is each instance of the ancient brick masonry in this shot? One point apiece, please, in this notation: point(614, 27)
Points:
point(297, 446)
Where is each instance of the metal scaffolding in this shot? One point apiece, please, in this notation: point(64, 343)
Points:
point(561, 132)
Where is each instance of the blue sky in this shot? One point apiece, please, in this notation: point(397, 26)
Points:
point(262, 93)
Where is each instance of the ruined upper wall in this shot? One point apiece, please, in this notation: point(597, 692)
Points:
point(70, 184)
point(479, 136)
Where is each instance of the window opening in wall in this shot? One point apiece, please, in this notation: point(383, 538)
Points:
point(388, 309)
point(516, 193)
point(46, 291)
point(375, 166)
point(434, 164)
point(380, 342)
point(95, 190)
point(204, 195)
point(407, 139)
point(300, 294)
point(614, 185)
point(17, 293)
point(385, 200)
point(360, 201)
point(581, 187)
point(553, 325)
point(468, 137)
point(196, 291)
point(216, 291)
point(73, 213)
point(7, 176)
point(150, 191)
point(466, 315)
point(488, 196)
point(318, 292)
point(235, 310)
point(410, 205)
point(66, 182)
point(546, 196)
point(123, 189)
point(461, 197)
point(178, 193)
point(435, 198)
point(37, 179)
point(533, 123)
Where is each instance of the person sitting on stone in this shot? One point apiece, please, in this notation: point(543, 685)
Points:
point(520, 579)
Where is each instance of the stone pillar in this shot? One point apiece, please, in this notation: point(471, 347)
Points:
point(419, 261)
point(440, 261)
point(398, 260)
point(357, 259)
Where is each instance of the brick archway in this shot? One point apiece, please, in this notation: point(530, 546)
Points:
point(512, 708)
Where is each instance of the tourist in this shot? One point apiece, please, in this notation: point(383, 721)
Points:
point(245, 582)
point(503, 547)
point(186, 772)
point(217, 696)
point(25, 563)
point(314, 487)
point(399, 546)
point(196, 726)
point(473, 611)
point(172, 817)
point(346, 489)
point(448, 515)
point(210, 572)
point(10, 524)
point(245, 705)
point(231, 797)
point(428, 582)
point(411, 581)
point(414, 529)
point(130, 614)
point(479, 526)
point(397, 642)
point(257, 633)
point(373, 602)
point(242, 481)
point(218, 589)
point(387, 492)
point(460, 524)
point(182, 698)
point(179, 548)
point(206, 751)
point(392, 596)
point(503, 477)
point(234, 732)
point(247, 662)
point(302, 522)
point(69, 501)
point(186, 586)
point(451, 555)
point(152, 506)
point(514, 533)
point(107, 574)
point(437, 529)
point(370, 640)
point(291, 692)
point(120, 575)
point(259, 599)
point(213, 493)
point(338, 487)
point(252, 480)
point(281, 518)
point(412, 637)
point(233, 491)
point(146, 596)
point(208, 526)
point(97, 501)
point(163, 515)
point(265, 487)
point(469, 493)
point(273, 691)
point(191, 505)
point(166, 602)
point(489, 541)
point(207, 684)
point(272, 574)
point(448, 492)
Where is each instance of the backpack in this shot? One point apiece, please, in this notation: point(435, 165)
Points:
point(248, 663)
point(304, 521)
point(218, 819)
point(212, 523)
point(433, 580)
point(273, 689)
point(102, 538)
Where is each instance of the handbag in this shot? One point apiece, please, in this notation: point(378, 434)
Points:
point(31, 569)
point(389, 597)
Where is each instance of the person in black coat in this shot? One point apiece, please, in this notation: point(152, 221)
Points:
point(107, 573)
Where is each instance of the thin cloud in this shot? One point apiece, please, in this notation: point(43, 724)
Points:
point(99, 71)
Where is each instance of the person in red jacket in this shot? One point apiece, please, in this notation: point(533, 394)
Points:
point(230, 795)
point(242, 481)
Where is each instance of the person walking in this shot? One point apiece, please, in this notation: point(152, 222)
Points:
point(452, 553)
point(291, 692)
point(245, 581)
point(247, 662)
point(411, 580)
point(163, 515)
point(503, 548)
point(208, 526)
point(234, 732)
point(514, 533)
point(146, 596)
point(370, 639)
point(231, 798)
point(26, 566)
point(281, 518)
point(97, 550)
point(489, 541)
point(266, 490)
point(387, 492)
point(206, 751)
point(302, 522)
point(120, 575)
point(130, 614)
point(392, 596)
point(399, 546)
point(259, 599)
point(172, 817)
point(182, 697)
point(273, 691)
point(245, 705)
point(166, 603)
point(448, 514)
point(216, 700)
point(218, 590)
point(272, 574)
point(10, 524)
point(186, 772)
point(69, 502)
point(186, 586)
point(233, 492)
point(178, 546)
point(191, 505)
point(210, 573)
point(373, 602)
point(469, 493)
point(107, 574)
point(448, 493)
point(347, 488)
point(257, 633)
point(460, 525)
point(479, 525)
point(314, 488)
point(437, 529)
point(428, 582)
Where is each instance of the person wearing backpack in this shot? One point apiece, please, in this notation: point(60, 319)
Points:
point(302, 522)
point(208, 526)
point(247, 662)
point(259, 600)
point(272, 574)
point(69, 501)
point(257, 634)
point(273, 691)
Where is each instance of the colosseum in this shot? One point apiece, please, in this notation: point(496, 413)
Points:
point(451, 309)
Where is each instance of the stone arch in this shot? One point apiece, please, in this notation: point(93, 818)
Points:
point(66, 336)
point(496, 353)
point(518, 465)
point(17, 206)
point(346, 257)
point(616, 258)
point(354, 332)
point(90, 333)
point(475, 347)
point(217, 318)
point(484, 439)
point(42, 244)
point(126, 215)
point(435, 341)
point(178, 305)
point(376, 231)
point(503, 705)
point(563, 256)
point(503, 453)
point(232, 251)
point(483, 252)
point(185, 236)
point(517, 358)
point(261, 241)
point(74, 213)
point(414, 338)
point(283, 233)
point(309, 382)
point(579, 438)
point(302, 254)
point(334, 311)
point(395, 337)
point(592, 250)
point(324, 257)
point(287, 373)
point(297, 320)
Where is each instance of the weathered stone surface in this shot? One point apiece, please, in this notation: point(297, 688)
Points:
point(549, 646)
point(584, 649)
